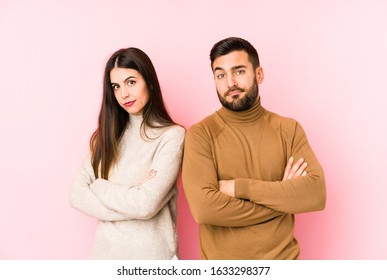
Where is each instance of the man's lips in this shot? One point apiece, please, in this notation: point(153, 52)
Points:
point(234, 91)
point(129, 103)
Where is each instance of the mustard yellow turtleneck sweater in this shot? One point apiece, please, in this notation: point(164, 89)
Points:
point(251, 147)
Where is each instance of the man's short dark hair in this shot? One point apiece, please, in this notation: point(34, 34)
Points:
point(231, 44)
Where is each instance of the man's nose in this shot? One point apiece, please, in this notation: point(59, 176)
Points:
point(231, 82)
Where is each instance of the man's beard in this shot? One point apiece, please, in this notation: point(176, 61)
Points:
point(240, 103)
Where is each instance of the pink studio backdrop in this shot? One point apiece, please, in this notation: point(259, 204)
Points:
point(325, 65)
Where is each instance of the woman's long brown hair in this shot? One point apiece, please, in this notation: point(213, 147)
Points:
point(113, 119)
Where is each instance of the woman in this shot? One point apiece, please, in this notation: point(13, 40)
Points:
point(129, 180)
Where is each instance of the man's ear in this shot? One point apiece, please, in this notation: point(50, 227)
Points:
point(259, 74)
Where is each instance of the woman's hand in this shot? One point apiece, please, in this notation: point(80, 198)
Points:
point(150, 175)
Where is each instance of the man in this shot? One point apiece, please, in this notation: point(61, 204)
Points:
point(247, 171)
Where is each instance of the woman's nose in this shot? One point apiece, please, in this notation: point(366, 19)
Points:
point(124, 92)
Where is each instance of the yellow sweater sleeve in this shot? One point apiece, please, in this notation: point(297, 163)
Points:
point(298, 195)
point(200, 182)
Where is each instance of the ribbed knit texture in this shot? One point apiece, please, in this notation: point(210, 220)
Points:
point(252, 148)
point(136, 221)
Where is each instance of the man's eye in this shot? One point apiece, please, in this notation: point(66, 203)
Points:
point(240, 72)
point(220, 76)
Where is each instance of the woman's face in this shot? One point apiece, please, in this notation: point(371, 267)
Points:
point(130, 89)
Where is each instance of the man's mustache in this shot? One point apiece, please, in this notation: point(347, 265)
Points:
point(233, 89)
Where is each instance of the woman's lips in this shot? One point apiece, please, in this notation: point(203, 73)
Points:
point(129, 103)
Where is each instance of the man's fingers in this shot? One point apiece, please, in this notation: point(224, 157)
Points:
point(300, 170)
point(287, 168)
point(295, 167)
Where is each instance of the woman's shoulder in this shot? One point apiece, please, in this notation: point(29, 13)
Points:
point(166, 133)
point(174, 131)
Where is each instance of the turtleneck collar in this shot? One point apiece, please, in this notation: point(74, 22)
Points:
point(135, 120)
point(242, 117)
point(146, 132)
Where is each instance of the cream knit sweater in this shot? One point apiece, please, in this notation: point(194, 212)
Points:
point(136, 220)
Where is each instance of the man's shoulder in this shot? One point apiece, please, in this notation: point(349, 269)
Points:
point(211, 124)
point(282, 123)
point(276, 118)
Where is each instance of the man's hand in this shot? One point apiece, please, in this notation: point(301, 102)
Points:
point(292, 170)
point(295, 169)
point(227, 187)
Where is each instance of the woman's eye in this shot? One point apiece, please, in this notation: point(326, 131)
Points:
point(115, 87)
point(131, 83)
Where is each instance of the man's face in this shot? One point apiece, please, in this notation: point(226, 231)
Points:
point(236, 80)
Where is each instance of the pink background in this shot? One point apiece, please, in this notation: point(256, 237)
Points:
point(325, 65)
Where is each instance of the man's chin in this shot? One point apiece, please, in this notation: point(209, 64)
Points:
point(234, 106)
point(240, 104)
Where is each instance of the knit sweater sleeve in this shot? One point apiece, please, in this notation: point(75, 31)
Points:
point(298, 195)
point(200, 181)
point(82, 198)
point(145, 200)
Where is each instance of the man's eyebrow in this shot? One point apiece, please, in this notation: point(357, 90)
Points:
point(238, 67)
point(232, 68)
point(218, 68)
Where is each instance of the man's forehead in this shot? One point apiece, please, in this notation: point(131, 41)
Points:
point(231, 60)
